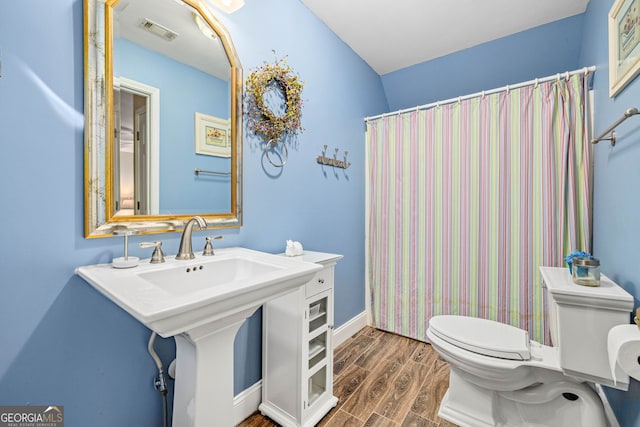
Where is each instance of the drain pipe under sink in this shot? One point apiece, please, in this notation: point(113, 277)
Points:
point(159, 383)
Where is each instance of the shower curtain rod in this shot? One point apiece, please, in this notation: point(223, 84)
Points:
point(566, 75)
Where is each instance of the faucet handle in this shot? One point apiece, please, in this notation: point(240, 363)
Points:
point(157, 257)
point(208, 247)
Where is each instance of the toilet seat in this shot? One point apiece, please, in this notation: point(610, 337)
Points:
point(482, 336)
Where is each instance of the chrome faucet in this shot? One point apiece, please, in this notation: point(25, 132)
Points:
point(186, 250)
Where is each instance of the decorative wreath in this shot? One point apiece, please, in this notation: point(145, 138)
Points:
point(262, 120)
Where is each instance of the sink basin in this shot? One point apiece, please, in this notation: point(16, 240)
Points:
point(202, 303)
point(183, 280)
point(175, 296)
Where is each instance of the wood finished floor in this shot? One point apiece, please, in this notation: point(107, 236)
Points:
point(382, 380)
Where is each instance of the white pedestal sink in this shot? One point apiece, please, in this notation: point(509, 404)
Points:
point(202, 302)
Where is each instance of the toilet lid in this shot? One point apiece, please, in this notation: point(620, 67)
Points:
point(482, 336)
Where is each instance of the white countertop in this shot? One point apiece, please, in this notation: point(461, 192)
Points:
point(317, 257)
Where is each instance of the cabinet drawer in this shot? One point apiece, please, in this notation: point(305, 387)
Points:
point(322, 281)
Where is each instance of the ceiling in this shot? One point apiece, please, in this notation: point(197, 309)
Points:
point(187, 47)
point(394, 34)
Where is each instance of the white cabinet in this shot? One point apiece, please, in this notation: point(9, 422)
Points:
point(297, 363)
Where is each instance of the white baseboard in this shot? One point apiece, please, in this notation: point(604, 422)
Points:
point(247, 401)
point(612, 421)
point(349, 328)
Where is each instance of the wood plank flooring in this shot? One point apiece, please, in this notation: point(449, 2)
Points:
point(383, 380)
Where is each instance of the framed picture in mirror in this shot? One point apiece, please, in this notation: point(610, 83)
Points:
point(212, 136)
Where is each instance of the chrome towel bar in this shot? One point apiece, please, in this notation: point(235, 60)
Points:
point(612, 137)
point(198, 171)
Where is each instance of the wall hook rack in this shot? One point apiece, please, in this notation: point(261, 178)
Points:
point(333, 161)
point(610, 130)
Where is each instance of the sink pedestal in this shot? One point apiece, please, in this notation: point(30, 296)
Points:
point(203, 393)
point(202, 303)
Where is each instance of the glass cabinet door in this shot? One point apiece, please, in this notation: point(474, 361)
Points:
point(317, 385)
point(317, 349)
point(318, 340)
point(318, 314)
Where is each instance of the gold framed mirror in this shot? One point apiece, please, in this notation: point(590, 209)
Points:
point(164, 77)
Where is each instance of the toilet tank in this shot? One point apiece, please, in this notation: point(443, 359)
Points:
point(580, 318)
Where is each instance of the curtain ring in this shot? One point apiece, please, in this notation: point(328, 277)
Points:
point(271, 144)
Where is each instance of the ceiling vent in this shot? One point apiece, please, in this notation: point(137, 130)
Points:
point(158, 30)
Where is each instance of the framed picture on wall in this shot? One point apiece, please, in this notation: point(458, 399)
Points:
point(624, 44)
point(213, 136)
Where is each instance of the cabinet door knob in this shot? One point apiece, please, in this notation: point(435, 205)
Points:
point(320, 280)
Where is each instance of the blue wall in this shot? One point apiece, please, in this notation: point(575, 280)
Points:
point(616, 222)
point(63, 343)
point(538, 52)
point(180, 98)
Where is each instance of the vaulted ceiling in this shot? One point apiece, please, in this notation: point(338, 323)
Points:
point(394, 34)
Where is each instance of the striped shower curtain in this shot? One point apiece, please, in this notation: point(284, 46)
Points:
point(467, 199)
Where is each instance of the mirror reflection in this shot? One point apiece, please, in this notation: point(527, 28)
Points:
point(167, 59)
point(172, 90)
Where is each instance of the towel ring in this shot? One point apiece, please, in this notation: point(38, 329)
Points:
point(271, 144)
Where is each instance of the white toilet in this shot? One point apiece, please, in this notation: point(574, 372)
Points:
point(501, 378)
